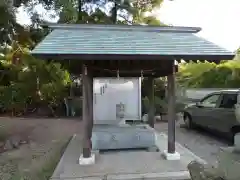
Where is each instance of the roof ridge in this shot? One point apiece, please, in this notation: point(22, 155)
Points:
point(125, 27)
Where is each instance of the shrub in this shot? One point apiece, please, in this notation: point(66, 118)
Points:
point(33, 82)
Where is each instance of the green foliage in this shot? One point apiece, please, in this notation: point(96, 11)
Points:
point(13, 98)
point(144, 6)
point(189, 72)
point(160, 104)
point(210, 75)
point(95, 11)
point(68, 12)
point(32, 83)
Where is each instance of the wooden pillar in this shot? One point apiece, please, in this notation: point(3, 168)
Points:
point(87, 114)
point(171, 110)
point(91, 102)
point(151, 108)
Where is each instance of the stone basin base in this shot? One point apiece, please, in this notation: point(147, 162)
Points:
point(112, 137)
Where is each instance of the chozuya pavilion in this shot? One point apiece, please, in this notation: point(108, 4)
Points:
point(127, 51)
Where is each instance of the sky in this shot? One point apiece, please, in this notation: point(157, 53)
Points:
point(219, 19)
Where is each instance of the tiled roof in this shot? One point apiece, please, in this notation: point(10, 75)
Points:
point(127, 40)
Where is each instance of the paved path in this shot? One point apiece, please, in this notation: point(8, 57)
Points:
point(203, 144)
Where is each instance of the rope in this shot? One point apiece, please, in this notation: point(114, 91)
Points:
point(116, 71)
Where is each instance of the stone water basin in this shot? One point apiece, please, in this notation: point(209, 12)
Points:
point(114, 137)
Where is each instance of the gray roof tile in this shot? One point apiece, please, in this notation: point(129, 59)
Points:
point(95, 40)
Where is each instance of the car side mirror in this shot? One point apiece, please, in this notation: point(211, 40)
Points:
point(199, 104)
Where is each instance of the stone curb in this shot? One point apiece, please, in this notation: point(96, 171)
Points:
point(58, 167)
point(181, 175)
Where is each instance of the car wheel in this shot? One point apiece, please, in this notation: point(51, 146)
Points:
point(234, 131)
point(188, 121)
point(230, 136)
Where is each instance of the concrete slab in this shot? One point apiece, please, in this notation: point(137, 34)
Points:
point(127, 165)
point(186, 156)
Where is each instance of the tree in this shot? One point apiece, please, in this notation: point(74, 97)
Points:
point(8, 23)
point(31, 83)
point(93, 11)
point(189, 72)
point(209, 75)
point(11, 30)
point(69, 11)
point(237, 56)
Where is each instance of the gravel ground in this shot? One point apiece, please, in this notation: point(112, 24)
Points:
point(35, 160)
point(202, 143)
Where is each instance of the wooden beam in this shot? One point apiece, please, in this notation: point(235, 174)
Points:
point(171, 110)
point(87, 113)
point(151, 109)
point(129, 74)
point(131, 68)
point(139, 57)
point(125, 65)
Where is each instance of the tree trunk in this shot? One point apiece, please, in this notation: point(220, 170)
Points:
point(114, 13)
point(79, 10)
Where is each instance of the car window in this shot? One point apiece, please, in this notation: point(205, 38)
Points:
point(210, 101)
point(228, 101)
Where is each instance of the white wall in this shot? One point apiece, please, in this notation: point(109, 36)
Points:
point(111, 91)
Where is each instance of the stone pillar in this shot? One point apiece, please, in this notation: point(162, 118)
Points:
point(151, 108)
